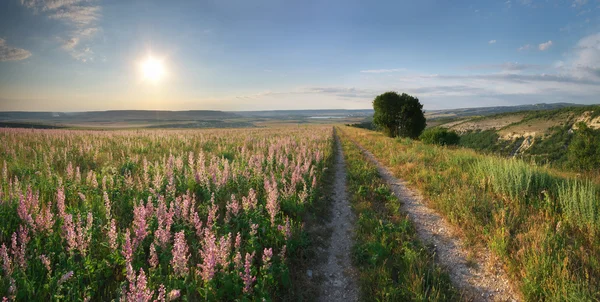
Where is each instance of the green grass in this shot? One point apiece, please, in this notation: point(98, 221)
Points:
point(542, 224)
point(393, 264)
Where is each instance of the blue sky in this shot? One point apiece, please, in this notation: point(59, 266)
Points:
point(76, 55)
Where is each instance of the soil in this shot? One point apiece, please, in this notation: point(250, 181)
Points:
point(339, 278)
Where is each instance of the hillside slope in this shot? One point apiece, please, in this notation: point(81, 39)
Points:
point(540, 135)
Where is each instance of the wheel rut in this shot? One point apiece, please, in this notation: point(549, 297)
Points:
point(479, 277)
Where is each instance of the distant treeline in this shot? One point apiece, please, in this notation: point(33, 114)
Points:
point(28, 125)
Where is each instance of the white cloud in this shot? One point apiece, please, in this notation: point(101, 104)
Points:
point(584, 60)
point(524, 47)
point(383, 70)
point(545, 46)
point(579, 3)
point(492, 42)
point(505, 67)
point(9, 53)
point(81, 16)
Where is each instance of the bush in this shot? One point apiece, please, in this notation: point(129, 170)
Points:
point(584, 150)
point(440, 136)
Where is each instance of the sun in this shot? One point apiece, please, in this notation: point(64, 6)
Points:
point(153, 69)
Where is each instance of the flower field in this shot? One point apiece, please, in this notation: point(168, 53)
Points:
point(155, 215)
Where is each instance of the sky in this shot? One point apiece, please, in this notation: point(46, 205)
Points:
point(83, 55)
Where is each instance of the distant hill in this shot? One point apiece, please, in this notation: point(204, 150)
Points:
point(116, 116)
point(483, 111)
point(316, 113)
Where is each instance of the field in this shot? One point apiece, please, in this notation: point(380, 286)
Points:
point(145, 215)
point(254, 215)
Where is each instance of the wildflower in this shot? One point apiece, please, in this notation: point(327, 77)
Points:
point(65, 277)
point(23, 211)
point(253, 229)
point(212, 212)
point(282, 253)
point(232, 207)
point(127, 249)
point(69, 234)
point(60, 202)
point(84, 234)
point(161, 294)
point(180, 255)
point(46, 262)
point(44, 221)
point(153, 260)
point(238, 241)
point(247, 275)
point(174, 294)
point(224, 249)
point(139, 224)
point(19, 246)
point(209, 256)
point(237, 260)
point(70, 171)
point(249, 203)
point(266, 258)
point(107, 206)
point(6, 262)
point(138, 289)
point(272, 196)
point(112, 234)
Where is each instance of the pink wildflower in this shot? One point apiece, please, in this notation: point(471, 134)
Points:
point(23, 211)
point(247, 275)
point(65, 277)
point(224, 250)
point(44, 221)
point(46, 262)
point(237, 260)
point(126, 248)
point(209, 256)
point(249, 203)
point(266, 258)
point(19, 247)
point(6, 262)
point(180, 255)
point(107, 206)
point(153, 260)
point(60, 202)
point(112, 234)
point(174, 294)
point(272, 196)
point(69, 234)
point(138, 290)
point(139, 224)
point(161, 294)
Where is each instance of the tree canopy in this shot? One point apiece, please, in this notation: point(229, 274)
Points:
point(399, 115)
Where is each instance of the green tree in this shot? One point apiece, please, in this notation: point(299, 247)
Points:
point(439, 136)
point(399, 115)
point(584, 150)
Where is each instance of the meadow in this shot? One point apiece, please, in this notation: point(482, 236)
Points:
point(541, 223)
point(156, 215)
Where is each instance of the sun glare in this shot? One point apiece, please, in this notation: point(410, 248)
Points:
point(153, 69)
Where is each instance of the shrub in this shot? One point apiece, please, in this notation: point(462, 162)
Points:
point(440, 136)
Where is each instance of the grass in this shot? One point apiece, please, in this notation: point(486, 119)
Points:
point(392, 263)
point(541, 223)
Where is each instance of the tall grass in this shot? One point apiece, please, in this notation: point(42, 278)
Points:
point(513, 178)
point(542, 223)
point(580, 204)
